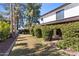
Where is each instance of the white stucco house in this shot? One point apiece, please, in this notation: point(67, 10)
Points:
point(63, 12)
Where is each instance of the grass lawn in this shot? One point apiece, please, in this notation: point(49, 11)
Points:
point(27, 45)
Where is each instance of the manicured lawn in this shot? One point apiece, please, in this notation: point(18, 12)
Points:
point(27, 45)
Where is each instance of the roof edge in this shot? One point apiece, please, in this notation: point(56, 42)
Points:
point(55, 9)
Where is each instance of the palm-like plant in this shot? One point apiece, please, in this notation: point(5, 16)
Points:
point(16, 14)
point(32, 13)
point(22, 14)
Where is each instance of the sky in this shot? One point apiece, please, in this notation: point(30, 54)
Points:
point(2, 7)
point(46, 7)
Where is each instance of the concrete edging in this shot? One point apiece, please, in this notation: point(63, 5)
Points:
point(8, 51)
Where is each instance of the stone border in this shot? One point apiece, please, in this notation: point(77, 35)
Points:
point(8, 51)
point(10, 48)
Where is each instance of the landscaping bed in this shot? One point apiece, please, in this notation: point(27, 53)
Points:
point(68, 33)
point(28, 45)
point(7, 45)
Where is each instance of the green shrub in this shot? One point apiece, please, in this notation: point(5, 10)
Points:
point(38, 33)
point(4, 30)
point(61, 44)
point(70, 34)
point(47, 33)
point(69, 43)
point(32, 32)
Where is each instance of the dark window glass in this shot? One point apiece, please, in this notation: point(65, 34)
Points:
point(60, 15)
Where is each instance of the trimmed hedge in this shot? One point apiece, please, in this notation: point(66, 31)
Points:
point(38, 33)
point(32, 32)
point(69, 43)
point(70, 33)
point(4, 30)
point(47, 33)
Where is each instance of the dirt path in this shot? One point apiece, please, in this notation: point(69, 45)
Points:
point(25, 41)
point(28, 40)
point(29, 45)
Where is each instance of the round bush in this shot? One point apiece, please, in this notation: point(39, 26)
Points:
point(38, 33)
point(32, 32)
point(48, 35)
point(4, 30)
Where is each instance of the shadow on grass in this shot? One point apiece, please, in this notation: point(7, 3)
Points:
point(46, 51)
point(22, 44)
point(38, 46)
point(22, 52)
point(23, 39)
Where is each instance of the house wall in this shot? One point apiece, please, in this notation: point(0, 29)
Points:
point(69, 11)
point(49, 18)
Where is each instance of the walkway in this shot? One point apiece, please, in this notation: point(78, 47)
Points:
point(27, 45)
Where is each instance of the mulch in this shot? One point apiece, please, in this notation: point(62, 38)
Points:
point(4, 46)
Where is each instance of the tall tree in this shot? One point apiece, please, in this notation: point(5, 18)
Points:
point(33, 12)
point(16, 13)
point(22, 14)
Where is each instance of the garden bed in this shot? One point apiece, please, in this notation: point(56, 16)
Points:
point(7, 45)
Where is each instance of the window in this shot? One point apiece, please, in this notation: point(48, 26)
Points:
point(60, 15)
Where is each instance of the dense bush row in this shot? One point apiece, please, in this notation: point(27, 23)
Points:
point(4, 30)
point(70, 34)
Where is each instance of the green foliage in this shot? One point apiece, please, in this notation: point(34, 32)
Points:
point(32, 32)
point(48, 33)
point(33, 13)
point(45, 31)
point(69, 43)
point(38, 33)
point(70, 34)
point(4, 30)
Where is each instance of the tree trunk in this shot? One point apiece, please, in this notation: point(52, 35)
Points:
point(11, 19)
